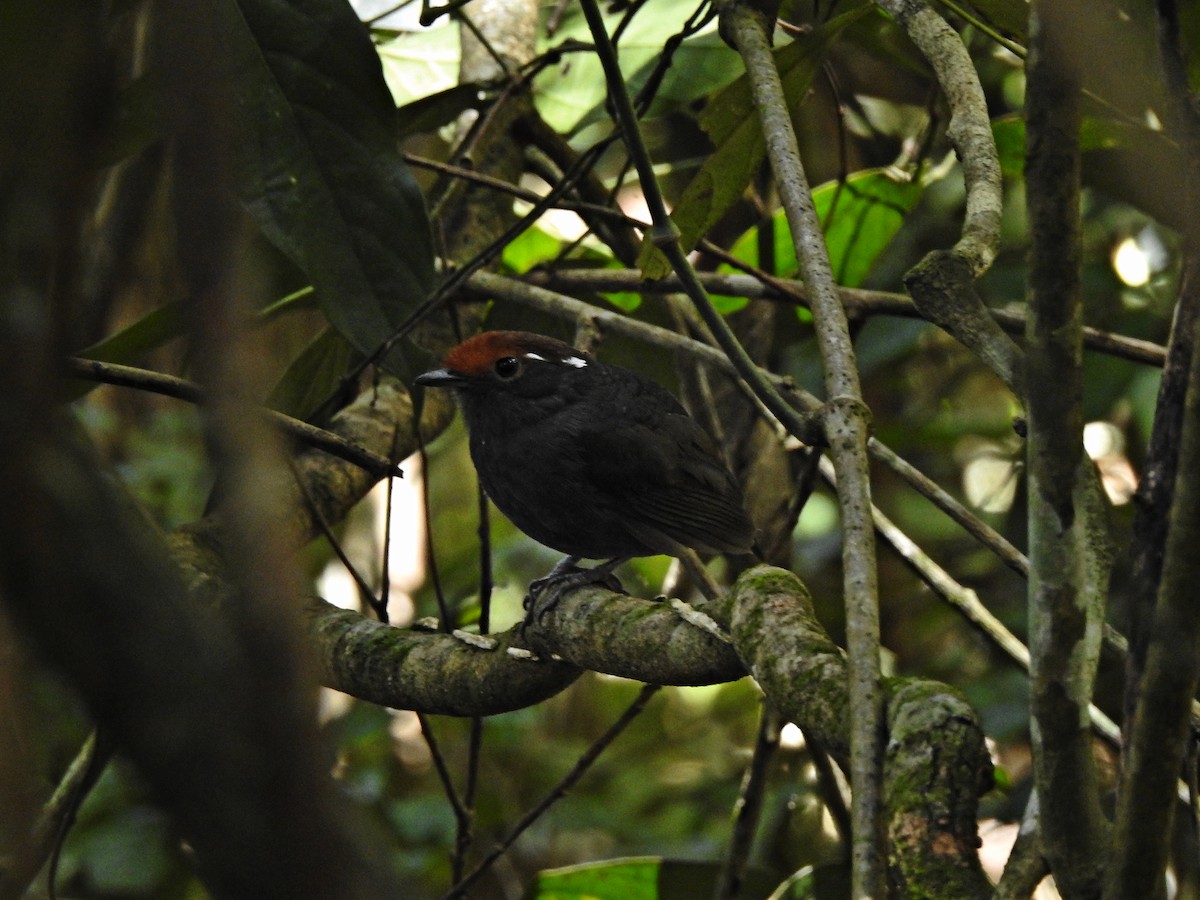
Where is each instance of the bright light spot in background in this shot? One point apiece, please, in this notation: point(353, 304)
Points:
point(364, 547)
point(791, 737)
point(819, 517)
point(1102, 439)
point(996, 841)
point(1105, 446)
point(1140, 257)
point(990, 480)
point(1130, 263)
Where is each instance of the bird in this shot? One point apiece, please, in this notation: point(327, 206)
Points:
point(590, 459)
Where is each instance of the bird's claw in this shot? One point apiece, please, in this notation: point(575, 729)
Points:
point(545, 593)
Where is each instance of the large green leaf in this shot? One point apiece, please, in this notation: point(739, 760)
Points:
point(860, 217)
point(314, 376)
point(736, 132)
point(641, 878)
point(1010, 16)
point(319, 169)
point(420, 63)
point(572, 93)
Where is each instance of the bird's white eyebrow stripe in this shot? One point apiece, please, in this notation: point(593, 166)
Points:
point(573, 361)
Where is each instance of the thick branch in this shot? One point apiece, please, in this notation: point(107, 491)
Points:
point(430, 672)
point(1163, 664)
point(1068, 568)
point(625, 636)
point(1161, 718)
point(930, 786)
point(460, 675)
point(931, 791)
point(847, 427)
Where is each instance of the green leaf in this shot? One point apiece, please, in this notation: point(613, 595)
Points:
point(1009, 16)
point(319, 169)
point(640, 878)
point(572, 94)
point(313, 376)
point(418, 64)
point(1094, 134)
point(530, 248)
point(732, 123)
point(629, 879)
point(157, 327)
point(860, 216)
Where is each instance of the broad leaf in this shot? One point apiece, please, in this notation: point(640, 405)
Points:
point(313, 376)
point(732, 123)
point(641, 878)
point(860, 216)
point(420, 63)
point(572, 94)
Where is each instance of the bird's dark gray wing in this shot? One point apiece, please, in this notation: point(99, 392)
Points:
point(668, 477)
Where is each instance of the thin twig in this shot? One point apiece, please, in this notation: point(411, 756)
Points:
point(665, 235)
point(365, 594)
point(559, 790)
point(967, 602)
point(749, 806)
point(190, 392)
point(857, 301)
point(445, 621)
point(520, 193)
point(462, 815)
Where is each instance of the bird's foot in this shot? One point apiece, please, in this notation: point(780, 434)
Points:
point(545, 593)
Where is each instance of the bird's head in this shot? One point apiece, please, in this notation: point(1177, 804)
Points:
point(495, 359)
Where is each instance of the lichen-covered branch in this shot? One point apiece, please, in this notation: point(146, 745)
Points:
point(456, 675)
point(748, 27)
point(625, 636)
point(429, 672)
point(931, 791)
point(930, 786)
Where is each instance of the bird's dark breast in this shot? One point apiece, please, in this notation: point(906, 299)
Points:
point(540, 486)
point(605, 465)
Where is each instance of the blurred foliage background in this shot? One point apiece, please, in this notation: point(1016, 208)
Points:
point(872, 133)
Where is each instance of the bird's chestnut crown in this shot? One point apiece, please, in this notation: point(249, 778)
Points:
point(503, 354)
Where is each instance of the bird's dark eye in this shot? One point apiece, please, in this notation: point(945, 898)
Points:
point(507, 367)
